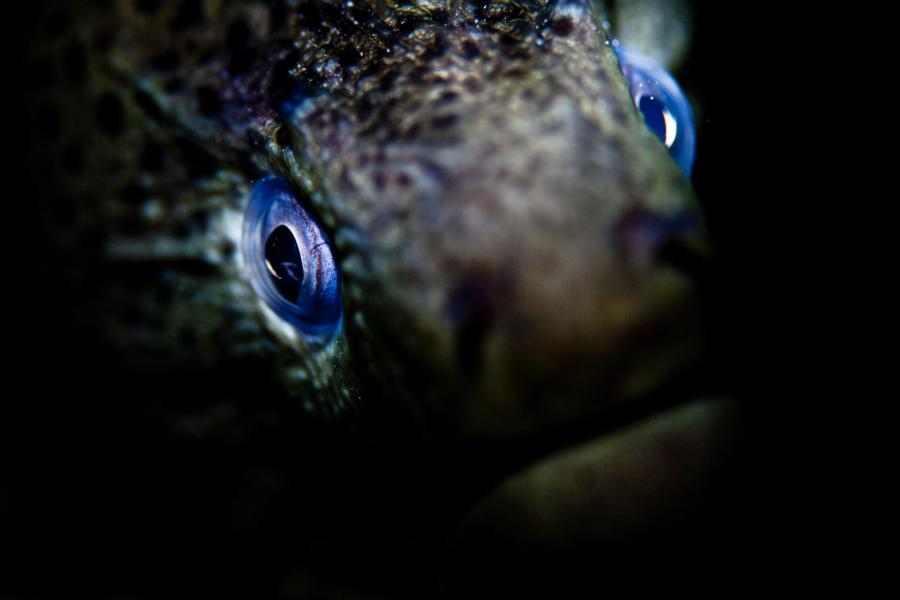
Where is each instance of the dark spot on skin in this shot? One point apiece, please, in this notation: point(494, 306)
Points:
point(134, 193)
point(387, 81)
point(72, 158)
point(364, 108)
point(618, 114)
point(561, 26)
point(74, 62)
point(189, 14)
point(601, 76)
point(402, 180)
point(383, 111)
point(418, 73)
point(110, 114)
point(147, 104)
point(470, 311)
point(472, 85)
point(517, 52)
point(444, 121)
point(208, 101)
point(412, 130)
point(147, 7)
point(470, 50)
point(412, 106)
point(165, 61)
point(516, 73)
point(436, 48)
point(365, 159)
point(197, 161)
point(447, 97)
point(344, 177)
point(508, 40)
point(435, 171)
point(153, 157)
point(227, 249)
point(615, 146)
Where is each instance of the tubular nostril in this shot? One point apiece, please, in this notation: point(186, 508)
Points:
point(471, 312)
point(691, 259)
point(645, 235)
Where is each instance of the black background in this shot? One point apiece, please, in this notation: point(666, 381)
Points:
point(96, 498)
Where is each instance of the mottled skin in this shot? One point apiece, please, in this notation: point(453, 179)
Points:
point(480, 167)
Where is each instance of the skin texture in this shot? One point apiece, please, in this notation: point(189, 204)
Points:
point(391, 149)
point(486, 181)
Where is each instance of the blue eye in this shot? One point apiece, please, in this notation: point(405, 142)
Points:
point(289, 260)
point(663, 104)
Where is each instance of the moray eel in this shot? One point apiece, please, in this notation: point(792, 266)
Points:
point(443, 219)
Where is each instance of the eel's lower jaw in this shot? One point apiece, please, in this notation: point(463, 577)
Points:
point(624, 488)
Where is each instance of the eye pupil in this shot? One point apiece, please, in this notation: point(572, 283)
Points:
point(284, 263)
point(654, 111)
point(289, 263)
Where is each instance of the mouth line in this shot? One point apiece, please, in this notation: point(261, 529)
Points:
point(498, 459)
point(690, 384)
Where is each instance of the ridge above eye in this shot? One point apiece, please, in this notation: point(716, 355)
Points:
point(664, 106)
point(290, 262)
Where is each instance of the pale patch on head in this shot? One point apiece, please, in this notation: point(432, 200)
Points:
point(576, 9)
point(226, 226)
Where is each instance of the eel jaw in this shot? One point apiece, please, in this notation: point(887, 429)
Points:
point(610, 499)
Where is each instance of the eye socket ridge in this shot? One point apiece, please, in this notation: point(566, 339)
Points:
point(277, 231)
point(664, 105)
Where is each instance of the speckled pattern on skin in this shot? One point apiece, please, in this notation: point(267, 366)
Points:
point(475, 164)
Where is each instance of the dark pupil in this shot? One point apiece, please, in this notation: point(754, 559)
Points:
point(652, 109)
point(283, 262)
